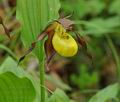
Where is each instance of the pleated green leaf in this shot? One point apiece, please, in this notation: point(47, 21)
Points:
point(15, 84)
point(34, 16)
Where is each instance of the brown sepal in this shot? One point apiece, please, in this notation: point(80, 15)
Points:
point(67, 24)
point(49, 51)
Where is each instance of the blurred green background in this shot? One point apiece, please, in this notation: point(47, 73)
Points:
point(98, 21)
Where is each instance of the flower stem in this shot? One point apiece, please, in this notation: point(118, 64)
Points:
point(115, 54)
point(42, 81)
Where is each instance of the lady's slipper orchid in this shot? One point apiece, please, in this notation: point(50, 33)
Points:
point(59, 40)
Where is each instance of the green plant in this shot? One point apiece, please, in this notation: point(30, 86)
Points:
point(106, 94)
point(32, 24)
point(102, 28)
point(84, 80)
point(34, 15)
point(15, 83)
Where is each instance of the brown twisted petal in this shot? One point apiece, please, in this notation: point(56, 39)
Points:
point(33, 45)
point(49, 30)
point(81, 40)
point(83, 44)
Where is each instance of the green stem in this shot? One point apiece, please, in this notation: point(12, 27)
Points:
point(115, 55)
point(42, 81)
